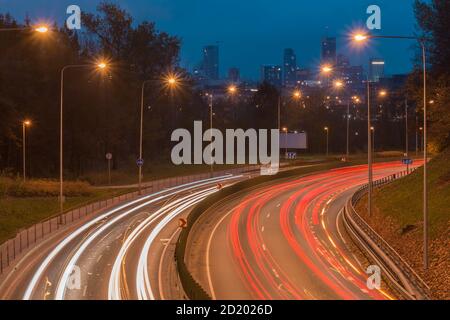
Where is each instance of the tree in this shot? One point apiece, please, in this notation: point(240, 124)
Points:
point(433, 19)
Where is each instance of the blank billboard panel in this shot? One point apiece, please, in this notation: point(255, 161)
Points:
point(293, 140)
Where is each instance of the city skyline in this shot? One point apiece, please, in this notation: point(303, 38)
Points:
point(261, 37)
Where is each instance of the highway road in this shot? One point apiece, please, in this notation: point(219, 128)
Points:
point(122, 253)
point(284, 240)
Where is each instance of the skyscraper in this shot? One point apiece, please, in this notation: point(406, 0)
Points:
point(234, 75)
point(210, 64)
point(329, 51)
point(290, 67)
point(271, 74)
point(376, 69)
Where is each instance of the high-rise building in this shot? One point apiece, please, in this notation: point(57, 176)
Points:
point(210, 64)
point(329, 51)
point(234, 75)
point(271, 74)
point(376, 69)
point(343, 61)
point(290, 67)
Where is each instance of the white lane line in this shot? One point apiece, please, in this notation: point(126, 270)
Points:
point(40, 271)
point(143, 283)
point(160, 271)
point(114, 282)
point(208, 249)
point(65, 277)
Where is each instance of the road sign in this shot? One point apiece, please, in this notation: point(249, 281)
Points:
point(407, 161)
point(109, 156)
point(140, 162)
point(182, 223)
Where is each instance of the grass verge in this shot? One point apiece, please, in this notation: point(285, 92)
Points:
point(398, 218)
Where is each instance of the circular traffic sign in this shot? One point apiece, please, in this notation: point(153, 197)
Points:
point(109, 156)
point(140, 162)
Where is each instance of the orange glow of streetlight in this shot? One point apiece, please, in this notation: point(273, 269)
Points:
point(297, 94)
point(285, 129)
point(338, 84)
point(27, 123)
point(383, 93)
point(360, 37)
point(326, 128)
point(326, 69)
point(102, 65)
point(232, 89)
point(41, 29)
point(431, 101)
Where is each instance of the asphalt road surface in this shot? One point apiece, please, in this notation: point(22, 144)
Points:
point(284, 240)
point(122, 253)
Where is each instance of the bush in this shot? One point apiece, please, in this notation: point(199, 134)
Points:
point(42, 188)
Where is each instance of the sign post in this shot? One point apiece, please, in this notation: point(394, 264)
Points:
point(407, 162)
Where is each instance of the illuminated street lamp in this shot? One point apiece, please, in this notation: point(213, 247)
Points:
point(361, 37)
point(327, 130)
point(39, 29)
point(326, 69)
point(25, 124)
point(232, 89)
point(285, 130)
point(339, 85)
point(297, 95)
point(372, 129)
point(42, 29)
point(382, 93)
point(100, 66)
point(170, 81)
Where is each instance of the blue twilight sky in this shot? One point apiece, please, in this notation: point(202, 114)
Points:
point(254, 32)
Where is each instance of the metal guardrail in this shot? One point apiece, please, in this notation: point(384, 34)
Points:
point(398, 272)
point(29, 237)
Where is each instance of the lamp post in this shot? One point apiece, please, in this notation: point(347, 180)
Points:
point(327, 130)
point(369, 151)
point(285, 130)
point(338, 85)
point(363, 37)
point(372, 129)
point(211, 106)
point(101, 66)
point(25, 124)
point(171, 81)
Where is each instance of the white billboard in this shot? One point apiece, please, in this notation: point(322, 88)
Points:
point(293, 140)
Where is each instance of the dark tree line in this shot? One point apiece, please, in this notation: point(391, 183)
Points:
point(101, 109)
point(433, 21)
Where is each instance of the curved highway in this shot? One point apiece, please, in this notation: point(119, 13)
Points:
point(284, 240)
point(122, 253)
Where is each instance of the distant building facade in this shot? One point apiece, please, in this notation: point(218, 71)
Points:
point(272, 74)
point(289, 68)
point(376, 69)
point(210, 65)
point(329, 51)
point(234, 75)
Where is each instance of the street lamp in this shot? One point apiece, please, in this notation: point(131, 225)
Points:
point(372, 129)
point(100, 65)
point(25, 124)
point(232, 89)
point(171, 81)
point(338, 85)
point(41, 29)
point(297, 95)
point(285, 130)
point(327, 130)
point(360, 37)
point(38, 29)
